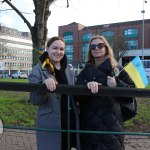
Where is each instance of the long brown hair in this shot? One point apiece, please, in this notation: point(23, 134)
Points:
point(109, 51)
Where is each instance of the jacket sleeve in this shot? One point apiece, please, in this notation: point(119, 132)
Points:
point(124, 80)
point(81, 80)
point(37, 98)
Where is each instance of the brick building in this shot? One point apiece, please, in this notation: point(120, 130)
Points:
point(123, 37)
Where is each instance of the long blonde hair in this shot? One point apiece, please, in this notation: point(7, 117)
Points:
point(109, 51)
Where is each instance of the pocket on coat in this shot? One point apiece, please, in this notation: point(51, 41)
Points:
point(44, 111)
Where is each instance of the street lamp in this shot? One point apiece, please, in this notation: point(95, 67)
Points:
point(143, 11)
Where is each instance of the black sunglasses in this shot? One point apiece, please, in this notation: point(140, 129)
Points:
point(99, 45)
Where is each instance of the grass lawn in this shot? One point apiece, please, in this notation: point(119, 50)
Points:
point(14, 80)
point(148, 86)
point(141, 122)
point(15, 109)
point(14, 106)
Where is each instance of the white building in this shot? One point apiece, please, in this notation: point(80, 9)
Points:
point(15, 51)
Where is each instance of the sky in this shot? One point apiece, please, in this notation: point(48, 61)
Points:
point(85, 12)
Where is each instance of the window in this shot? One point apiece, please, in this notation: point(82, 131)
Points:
point(131, 33)
point(108, 34)
point(86, 37)
point(68, 37)
point(132, 44)
point(85, 48)
point(69, 52)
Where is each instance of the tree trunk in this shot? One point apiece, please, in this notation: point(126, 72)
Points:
point(39, 30)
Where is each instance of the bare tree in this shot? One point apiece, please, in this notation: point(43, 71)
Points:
point(39, 29)
point(119, 46)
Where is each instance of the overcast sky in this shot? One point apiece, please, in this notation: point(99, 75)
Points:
point(86, 12)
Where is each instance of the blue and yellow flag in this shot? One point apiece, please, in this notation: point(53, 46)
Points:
point(137, 72)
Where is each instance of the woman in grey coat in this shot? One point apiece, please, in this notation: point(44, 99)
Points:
point(51, 70)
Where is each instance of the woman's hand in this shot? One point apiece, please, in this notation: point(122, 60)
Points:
point(111, 82)
point(93, 86)
point(50, 84)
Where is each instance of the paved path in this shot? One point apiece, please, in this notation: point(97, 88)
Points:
point(18, 140)
point(25, 140)
point(137, 142)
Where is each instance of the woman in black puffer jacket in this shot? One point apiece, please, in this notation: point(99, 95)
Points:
point(101, 113)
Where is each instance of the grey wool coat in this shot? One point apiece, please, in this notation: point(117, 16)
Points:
point(48, 114)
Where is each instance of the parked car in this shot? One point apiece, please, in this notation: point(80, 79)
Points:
point(19, 75)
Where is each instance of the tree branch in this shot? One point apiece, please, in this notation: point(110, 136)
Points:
point(19, 13)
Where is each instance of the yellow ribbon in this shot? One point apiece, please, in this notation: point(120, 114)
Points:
point(48, 62)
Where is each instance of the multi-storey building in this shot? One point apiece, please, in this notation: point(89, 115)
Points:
point(124, 37)
point(15, 51)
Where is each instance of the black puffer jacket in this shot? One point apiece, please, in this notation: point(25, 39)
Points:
point(101, 113)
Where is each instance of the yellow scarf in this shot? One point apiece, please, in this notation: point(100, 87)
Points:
point(46, 62)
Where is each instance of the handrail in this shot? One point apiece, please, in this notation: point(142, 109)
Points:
point(78, 131)
point(76, 89)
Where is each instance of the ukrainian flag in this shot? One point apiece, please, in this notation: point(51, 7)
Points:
point(137, 72)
